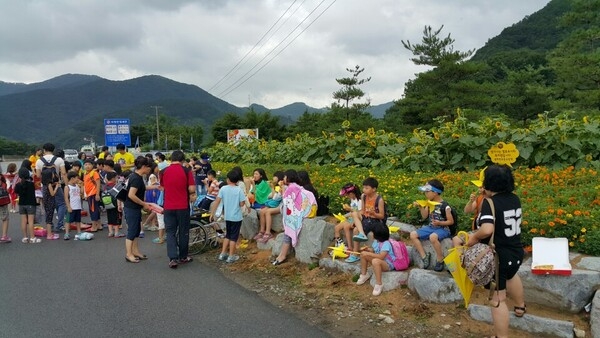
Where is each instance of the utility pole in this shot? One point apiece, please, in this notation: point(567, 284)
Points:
point(157, 133)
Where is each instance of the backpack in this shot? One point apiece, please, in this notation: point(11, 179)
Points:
point(385, 208)
point(402, 260)
point(49, 174)
point(108, 200)
point(480, 262)
point(454, 226)
point(4, 196)
point(322, 205)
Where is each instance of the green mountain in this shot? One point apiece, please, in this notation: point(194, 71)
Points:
point(537, 33)
point(70, 107)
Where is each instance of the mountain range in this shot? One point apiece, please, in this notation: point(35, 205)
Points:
point(70, 107)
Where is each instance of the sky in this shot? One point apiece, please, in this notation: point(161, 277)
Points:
point(269, 52)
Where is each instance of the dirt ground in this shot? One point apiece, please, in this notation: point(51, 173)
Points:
point(330, 300)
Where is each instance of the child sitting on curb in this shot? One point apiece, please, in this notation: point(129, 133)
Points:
point(372, 214)
point(437, 229)
point(380, 255)
point(352, 191)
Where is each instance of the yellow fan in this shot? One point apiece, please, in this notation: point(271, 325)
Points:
point(394, 229)
point(340, 217)
point(341, 252)
point(428, 203)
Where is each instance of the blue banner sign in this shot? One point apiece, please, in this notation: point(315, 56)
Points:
point(117, 131)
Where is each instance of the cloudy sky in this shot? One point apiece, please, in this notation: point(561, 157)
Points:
point(285, 50)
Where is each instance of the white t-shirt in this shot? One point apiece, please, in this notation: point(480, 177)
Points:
point(58, 163)
point(75, 197)
point(356, 204)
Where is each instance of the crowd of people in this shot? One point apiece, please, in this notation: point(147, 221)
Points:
point(47, 182)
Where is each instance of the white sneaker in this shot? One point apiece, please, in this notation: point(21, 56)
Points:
point(362, 279)
point(377, 289)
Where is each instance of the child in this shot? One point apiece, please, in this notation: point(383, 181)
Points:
point(473, 206)
point(372, 213)
point(12, 178)
point(380, 255)
point(113, 215)
point(212, 190)
point(4, 210)
point(25, 189)
point(233, 200)
point(73, 201)
point(437, 229)
point(152, 194)
point(91, 184)
point(160, 218)
point(352, 191)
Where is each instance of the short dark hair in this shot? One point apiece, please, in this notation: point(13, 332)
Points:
point(110, 175)
point(140, 161)
point(104, 148)
point(76, 164)
point(499, 178)
point(233, 176)
point(120, 146)
point(72, 174)
point(381, 232)
point(49, 147)
point(212, 173)
point(59, 153)
point(100, 161)
point(371, 182)
point(436, 184)
point(177, 156)
point(109, 163)
point(279, 174)
point(161, 156)
point(89, 160)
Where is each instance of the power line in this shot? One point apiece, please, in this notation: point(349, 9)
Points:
point(256, 44)
point(229, 89)
point(226, 90)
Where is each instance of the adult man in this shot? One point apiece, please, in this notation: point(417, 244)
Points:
point(48, 159)
point(123, 158)
point(179, 187)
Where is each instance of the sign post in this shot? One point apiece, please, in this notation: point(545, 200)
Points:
point(117, 131)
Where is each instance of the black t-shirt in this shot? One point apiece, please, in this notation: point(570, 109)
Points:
point(201, 172)
point(507, 233)
point(26, 192)
point(135, 181)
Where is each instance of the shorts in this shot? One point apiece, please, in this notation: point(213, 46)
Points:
point(509, 261)
point(94, 207)
point(161, 221)
point(3, 213)
point(27, 210)
point(427, 230)
point(233, 230)
point(113, 216)
point(369, 224)
point(75, 216)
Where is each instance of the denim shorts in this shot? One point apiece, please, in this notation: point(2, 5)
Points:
point(27, 210)
point(427, 230)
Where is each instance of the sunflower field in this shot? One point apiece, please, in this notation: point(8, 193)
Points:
point(556, 172)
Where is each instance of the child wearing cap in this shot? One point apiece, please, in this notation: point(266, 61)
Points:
point(352, 192)
point(473, 206)
point(437, 229)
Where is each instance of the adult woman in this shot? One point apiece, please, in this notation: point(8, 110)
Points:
point(133, 209)
point(261, 189)
point(499, 185)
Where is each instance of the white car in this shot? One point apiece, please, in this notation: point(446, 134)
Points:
point(71, 155)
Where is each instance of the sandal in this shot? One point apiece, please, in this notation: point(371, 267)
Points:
point(35, 240)
point(25, 240)
point(258, 236)
point(520, 311)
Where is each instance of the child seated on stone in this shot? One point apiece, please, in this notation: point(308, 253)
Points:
point(380, 255)
point(437, 229)
point(352, 192)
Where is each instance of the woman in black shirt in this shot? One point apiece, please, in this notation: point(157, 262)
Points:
point(133, 209)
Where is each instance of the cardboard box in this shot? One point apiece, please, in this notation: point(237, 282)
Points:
point(550, 256)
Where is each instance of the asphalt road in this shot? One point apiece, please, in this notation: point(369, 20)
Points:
point(86, 289)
